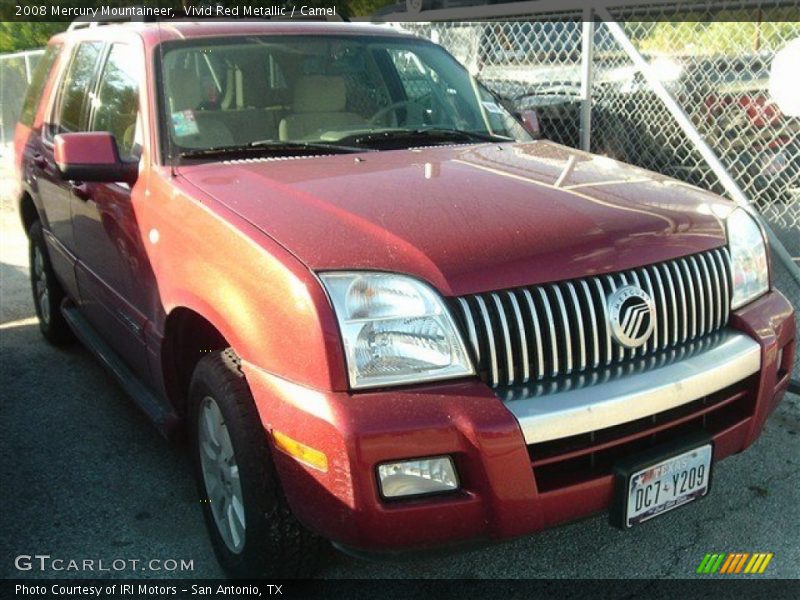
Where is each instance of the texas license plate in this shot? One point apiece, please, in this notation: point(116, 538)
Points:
point(660, 486)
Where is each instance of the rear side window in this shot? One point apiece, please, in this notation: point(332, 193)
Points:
point(116, 106)
point(40, 76)
point(73, 105)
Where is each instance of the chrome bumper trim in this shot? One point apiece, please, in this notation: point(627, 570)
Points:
point(577, 410)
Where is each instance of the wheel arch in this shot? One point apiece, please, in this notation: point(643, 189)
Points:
point(188, 336)
point(28, 212)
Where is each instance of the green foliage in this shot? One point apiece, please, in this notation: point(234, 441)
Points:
point(364, 8)
point(715, 37)
point(24, 35)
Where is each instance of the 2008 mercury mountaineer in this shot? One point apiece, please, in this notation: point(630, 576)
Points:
point(388, 316)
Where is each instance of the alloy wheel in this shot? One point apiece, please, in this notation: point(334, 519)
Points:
point(41, 287)
point(221, 475)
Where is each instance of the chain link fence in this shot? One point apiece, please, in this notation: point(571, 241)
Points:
point(15, 75)
point(714, 63)
point(717, 71)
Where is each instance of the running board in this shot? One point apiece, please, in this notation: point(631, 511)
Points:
point(164, 419)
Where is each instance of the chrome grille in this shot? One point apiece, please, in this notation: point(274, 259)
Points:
point(551, 330)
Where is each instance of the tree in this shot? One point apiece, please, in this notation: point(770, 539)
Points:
point(24, 35)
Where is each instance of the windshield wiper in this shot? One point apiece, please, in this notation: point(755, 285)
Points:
point(288, 145)
point(427, 134)
point(357, 142)
point(261, 146)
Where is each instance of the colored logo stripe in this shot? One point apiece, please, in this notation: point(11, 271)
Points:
point(758, 563)
point(710, 563)
point(735, 562)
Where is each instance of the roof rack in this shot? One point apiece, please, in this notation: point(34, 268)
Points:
point(88, 22)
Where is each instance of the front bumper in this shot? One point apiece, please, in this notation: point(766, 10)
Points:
point(515, 481)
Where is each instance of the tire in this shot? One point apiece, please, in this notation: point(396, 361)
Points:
point(268, 541)
point(47, 291)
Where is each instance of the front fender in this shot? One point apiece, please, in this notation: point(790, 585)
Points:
point(262, 299)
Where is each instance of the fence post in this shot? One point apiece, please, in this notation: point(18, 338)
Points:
point(695, 138)
point(587, 61)
point(27, 57)
point(2, 120)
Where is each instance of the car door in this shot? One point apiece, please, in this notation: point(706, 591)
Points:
point(68, 113)
point(112, 269)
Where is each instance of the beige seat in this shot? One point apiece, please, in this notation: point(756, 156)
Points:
point(185, 93)
point(319, 106)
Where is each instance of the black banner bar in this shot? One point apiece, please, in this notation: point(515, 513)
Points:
point(714, 587)
point(440, 10)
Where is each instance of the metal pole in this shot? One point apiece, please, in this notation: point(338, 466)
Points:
point(587, 60)
point(694, 136)
point(28, 68)
point(2, 98)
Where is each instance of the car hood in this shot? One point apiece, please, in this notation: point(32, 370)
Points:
point(469, 218)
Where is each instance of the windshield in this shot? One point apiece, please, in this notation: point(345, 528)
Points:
point(304, 93)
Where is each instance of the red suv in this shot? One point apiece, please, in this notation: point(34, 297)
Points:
point(387, 316)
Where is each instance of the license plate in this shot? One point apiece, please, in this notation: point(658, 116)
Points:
point(657, 486)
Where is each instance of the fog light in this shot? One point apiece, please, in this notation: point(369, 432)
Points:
point(416, 477)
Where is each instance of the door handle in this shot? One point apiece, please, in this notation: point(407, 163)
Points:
point(81, 191)
point(40, 161)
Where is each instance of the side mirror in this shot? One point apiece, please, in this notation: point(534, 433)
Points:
point(530, 122)
point(92, 156)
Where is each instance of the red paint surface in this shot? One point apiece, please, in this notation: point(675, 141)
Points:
point(469, 218)
point(465, 420)
point(85, 148)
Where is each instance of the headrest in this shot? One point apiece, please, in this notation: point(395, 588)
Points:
point(320, 94)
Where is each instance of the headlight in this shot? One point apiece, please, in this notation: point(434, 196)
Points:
point(748, 258)
point(395, 330)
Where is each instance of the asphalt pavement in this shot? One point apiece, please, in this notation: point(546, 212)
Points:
point(84, 476)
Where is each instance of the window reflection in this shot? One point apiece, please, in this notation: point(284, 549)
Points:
point(116, 105)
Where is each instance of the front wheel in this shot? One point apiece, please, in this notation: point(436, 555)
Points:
point(252, 529)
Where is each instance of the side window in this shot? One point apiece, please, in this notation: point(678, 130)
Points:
point(412, 73)
point(116, 104)
point(40, 76)
point(72, 105)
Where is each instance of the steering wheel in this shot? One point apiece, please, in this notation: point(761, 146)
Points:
point(393, 107)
